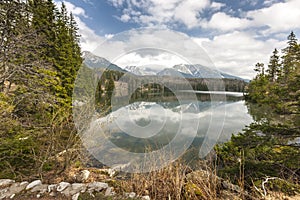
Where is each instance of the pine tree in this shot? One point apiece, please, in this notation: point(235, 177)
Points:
point(274, 66)
point(260, 69)
point(67, 53)
point(291, 52)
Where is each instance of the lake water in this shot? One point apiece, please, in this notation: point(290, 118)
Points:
point(168, 126)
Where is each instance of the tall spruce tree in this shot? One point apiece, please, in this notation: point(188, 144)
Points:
point(290, 55)
point(274, 66)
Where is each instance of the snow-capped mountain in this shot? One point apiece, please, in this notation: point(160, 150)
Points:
point(93, 61)
point(140, 71)
point(198, 71)
point(181, 70)
point(195, 71)
point(134, 70)
point(174, 73)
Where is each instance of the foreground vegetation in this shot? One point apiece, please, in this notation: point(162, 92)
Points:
point(268, 152)
point(39, 59)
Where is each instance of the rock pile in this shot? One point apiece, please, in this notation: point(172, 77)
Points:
point(9, 189)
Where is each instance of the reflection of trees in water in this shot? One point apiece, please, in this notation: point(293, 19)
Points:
point(265, 113)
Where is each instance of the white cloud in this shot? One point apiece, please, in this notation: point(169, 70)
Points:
point(161, 12)
point(125, 18)
point(89, 40)
point(78, 11)
point(278, 17)
point(155, 62)
point(188, 11)
point(222, 21)
point(217, 6)
point(238, 52)
point(152, 47)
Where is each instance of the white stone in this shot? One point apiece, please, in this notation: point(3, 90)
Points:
point(78, 187)
point(109, 192)
point(111, 172)
point(97, 186)
point(24, 183)
point(40, 188)
point(52, 194)
point(16, 188)
point(6, 182)
point(146, 197)
point(3, 193)
point(84, 175)
point(131, 195)
point(62, 186)
point(12, 196)
point(33, 184)
point(52, 187)
point(75, 196)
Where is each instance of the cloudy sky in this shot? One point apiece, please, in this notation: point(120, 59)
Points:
point(234, 34)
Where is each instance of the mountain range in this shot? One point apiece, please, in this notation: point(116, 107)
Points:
point(182, 70)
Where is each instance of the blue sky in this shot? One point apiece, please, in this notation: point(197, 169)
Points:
point(235, 34)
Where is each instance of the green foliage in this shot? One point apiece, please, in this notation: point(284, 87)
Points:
point(279, 84)
point(266, 154)
point(266, 147)
point(39, 59)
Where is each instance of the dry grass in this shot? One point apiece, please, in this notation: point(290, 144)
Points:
point(177, 181)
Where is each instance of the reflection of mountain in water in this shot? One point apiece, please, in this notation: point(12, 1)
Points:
point(174, 119)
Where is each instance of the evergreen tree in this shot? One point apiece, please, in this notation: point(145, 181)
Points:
point(36, 81)
point(67, 53)
point(274, 66)
point(260, 69)
point(290, 55)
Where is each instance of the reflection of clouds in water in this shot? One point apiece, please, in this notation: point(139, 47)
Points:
point(161, 119)
point(170, 119)
point(174, 121)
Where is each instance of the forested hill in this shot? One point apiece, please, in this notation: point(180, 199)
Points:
point(39, 59)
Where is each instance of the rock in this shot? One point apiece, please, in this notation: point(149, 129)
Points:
point(40, 188)
point(109, 192)
point(52, 194)
point(75, 196)
point(12, 196)
point(16, 188)
point(145, 197)
point(3, 193)
point(33, 184)
point(111, 172)
point(230, 186)
point(6, 182)
point(62, 186)
point(74, 188)
point(130, 195)
point(52, 187)
point(79, 187)
point(84, 175)
point(67, 191)
point(24, 183)
point(97, 186)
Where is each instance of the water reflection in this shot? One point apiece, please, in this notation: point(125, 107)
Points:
point(144, 126)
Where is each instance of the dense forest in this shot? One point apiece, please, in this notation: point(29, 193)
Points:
point(39, 59)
